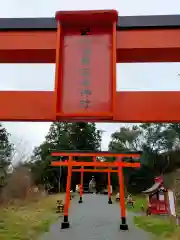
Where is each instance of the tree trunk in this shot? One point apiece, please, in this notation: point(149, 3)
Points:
point(177, 193)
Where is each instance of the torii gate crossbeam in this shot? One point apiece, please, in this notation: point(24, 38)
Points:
point(136, 39)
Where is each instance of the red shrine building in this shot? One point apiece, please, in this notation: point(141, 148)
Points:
point(158, 200)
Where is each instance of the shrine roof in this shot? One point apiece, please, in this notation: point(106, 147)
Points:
point(153, 189)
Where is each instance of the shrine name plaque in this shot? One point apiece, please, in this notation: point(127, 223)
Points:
point(87, 70)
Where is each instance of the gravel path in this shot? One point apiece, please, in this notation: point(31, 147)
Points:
point(95, 219)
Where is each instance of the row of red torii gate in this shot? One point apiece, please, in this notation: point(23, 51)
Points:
point(99, 166)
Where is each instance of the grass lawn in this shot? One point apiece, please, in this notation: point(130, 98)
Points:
point(139, 201)
point(157, 225)
point(163, 228)
point(28, 221)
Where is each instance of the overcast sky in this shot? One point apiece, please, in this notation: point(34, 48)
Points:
point(41, 76)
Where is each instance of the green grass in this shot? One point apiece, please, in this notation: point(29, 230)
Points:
point(28, 221)
point(163, 228)
point(139, 202)
point(156, 225)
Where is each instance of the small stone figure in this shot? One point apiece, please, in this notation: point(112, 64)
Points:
point(92, 185)
point(130, 201)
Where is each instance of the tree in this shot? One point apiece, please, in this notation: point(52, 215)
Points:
point(21, 152)
point(126, 139)
point(175, 128)
point(151, 139)
point(139, 180)
point(158, 137)
point(85, 136)
point(63, 136)
point(6, 149)
point(57, 138)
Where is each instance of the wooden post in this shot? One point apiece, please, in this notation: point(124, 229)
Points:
point(65, 223)
point(81, 186)
point(123, 225)
point(109, 187)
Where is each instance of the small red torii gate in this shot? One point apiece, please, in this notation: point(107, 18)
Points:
point(119, 164)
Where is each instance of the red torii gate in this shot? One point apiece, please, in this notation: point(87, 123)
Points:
point(85, 46)
point(119, 164)
point(111, 40)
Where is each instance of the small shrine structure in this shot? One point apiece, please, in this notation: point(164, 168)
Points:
point(158, 200)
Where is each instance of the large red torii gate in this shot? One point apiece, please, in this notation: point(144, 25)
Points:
point(85, 46)
point(135, 39)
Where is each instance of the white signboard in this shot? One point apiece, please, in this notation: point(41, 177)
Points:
point(111, 189)
point(161, 197)
point(77, 188)
point(171, 203)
